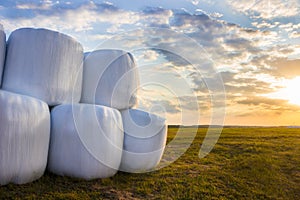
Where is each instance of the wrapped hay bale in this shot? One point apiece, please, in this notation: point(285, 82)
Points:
point(44, 64)
point(24, 138)
point(2, 50)
point(110, 78)
point(144, 140)
point(86, 141)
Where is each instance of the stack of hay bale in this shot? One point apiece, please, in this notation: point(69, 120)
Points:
point(92, 130)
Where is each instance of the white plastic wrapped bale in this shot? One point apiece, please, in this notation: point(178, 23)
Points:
point(24, 138)
point(44, 64)
point(110, 78)
point(2, 50)
point(86, 141)
point(144, 140)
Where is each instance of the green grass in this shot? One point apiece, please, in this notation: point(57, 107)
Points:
point(246, 163)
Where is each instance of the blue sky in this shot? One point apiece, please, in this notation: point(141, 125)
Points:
point(191, 53)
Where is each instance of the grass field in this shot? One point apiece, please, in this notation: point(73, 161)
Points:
point(246, 163)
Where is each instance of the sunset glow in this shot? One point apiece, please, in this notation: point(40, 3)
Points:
point(290, 92)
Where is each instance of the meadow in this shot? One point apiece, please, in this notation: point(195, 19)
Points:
point(246, 163)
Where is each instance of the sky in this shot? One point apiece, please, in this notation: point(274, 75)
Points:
point(200, 61)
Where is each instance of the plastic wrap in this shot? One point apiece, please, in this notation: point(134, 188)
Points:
point(44, 64)
point(144, 140)
point(110, 78)
point(86, 141)
point(2, 51)
point(24, 138)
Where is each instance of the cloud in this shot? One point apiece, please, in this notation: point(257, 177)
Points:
point(282, 67)
point(150, 55)
point(267, 9)
point(42, 5)
point(159, 106)
point(265, 103)
point(67, 17)
point(294, 34)
point(265, 25)
point(156, 17)
point(216, 15)
point(195, 2)
point(185, 20)
point(165, 105)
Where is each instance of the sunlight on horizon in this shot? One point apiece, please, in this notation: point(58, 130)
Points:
point(289, 92)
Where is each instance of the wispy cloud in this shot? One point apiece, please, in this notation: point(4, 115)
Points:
point(267, 9)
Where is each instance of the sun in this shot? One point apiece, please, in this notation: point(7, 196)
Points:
point(290, 92)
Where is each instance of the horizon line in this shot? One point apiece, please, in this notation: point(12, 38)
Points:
point(215, 125)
